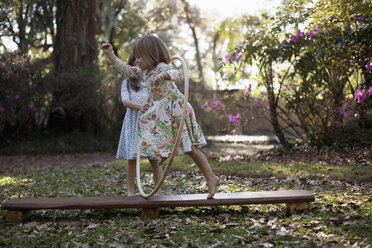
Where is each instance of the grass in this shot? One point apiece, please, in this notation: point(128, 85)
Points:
point(340, 215)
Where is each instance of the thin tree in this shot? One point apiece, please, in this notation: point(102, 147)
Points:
point(192, 19)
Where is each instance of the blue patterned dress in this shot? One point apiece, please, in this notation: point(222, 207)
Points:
point(127, 148)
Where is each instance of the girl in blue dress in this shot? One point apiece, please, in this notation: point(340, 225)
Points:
point(134, 96)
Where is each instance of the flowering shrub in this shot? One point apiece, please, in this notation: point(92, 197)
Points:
point(25, 90)
point(315, 72)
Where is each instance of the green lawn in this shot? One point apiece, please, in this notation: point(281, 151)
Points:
point(341, 214)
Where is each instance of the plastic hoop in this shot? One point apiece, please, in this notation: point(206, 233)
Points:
point(170, 162)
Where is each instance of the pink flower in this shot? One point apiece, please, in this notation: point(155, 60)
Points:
point(370, 91)
point(313, 32)
point(298, 36)
point(143, 143)
point(153, 116)
point(1, 108)
point(16, 97)
point(361, 19)
point(34, 108)
point(369, 66)
point(228, 57)
point(257, 101)
point(232, 118)
point(206, 108)
point(249, 88)
point(217, 104)
point(342, 111)
point(360, 95)
point(230, 158)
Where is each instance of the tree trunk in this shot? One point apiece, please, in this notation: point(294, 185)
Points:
point(273, 107)
point(196, 41)
point(75, 40)
point(197, 55)
point(74, 104)
point(22, 23)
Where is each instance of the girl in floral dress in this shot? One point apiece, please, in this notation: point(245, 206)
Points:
point(134, 97)
point(158, 126)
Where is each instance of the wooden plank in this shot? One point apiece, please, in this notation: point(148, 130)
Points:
point(236, 198)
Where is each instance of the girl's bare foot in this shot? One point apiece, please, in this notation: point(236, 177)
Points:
point(212, 187)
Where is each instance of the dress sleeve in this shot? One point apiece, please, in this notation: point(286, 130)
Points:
point(124, 91)
point(128, 70)
point(174, 74)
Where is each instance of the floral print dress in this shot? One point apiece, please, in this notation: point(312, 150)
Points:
point(158, 126)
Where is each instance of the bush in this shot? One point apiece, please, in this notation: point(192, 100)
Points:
point(25, 94)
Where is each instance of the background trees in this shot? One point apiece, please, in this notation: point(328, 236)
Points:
point(306, 69)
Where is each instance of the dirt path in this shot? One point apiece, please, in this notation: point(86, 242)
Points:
point(33, 162)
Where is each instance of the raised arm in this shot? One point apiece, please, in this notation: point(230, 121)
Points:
point(128, 70)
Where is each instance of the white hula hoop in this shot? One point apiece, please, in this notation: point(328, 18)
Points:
point(174, 151)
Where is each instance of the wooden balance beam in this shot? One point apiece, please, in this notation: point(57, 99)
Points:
point(19, 208)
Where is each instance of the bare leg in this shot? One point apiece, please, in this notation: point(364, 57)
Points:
point(157, 170)
point(202, 162)
point(131, 175)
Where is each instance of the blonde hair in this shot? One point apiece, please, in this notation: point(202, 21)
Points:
point(152, 49)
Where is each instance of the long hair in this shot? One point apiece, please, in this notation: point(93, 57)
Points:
point(152, 49)
point(133, 82)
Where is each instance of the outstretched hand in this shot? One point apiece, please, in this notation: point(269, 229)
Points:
point(161, 76)
point(107, 48)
